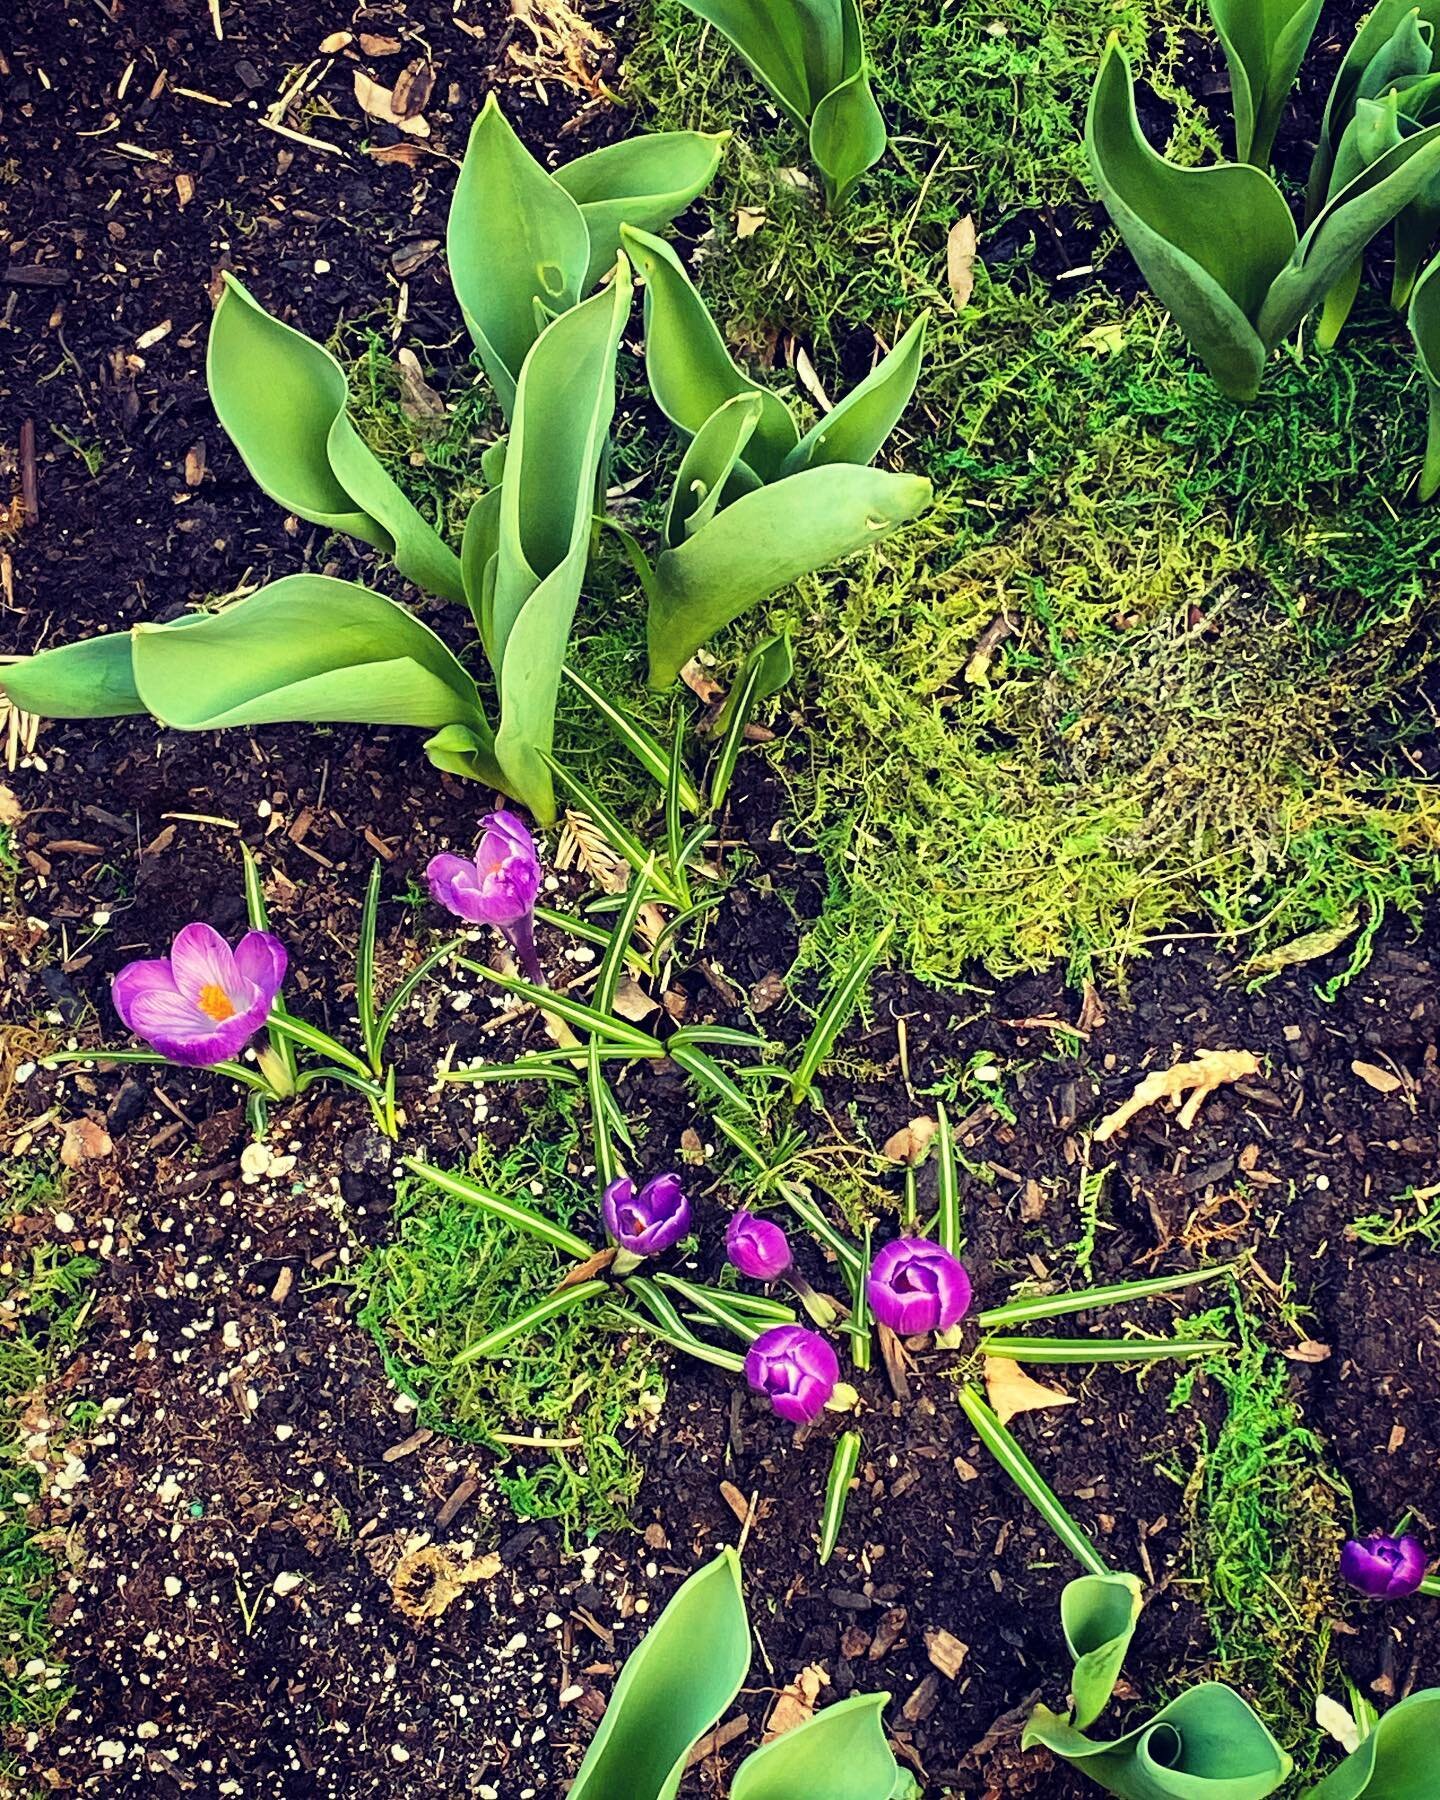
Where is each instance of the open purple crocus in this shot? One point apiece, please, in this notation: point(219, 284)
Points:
point(757, 1247)
point(647, 1222)
point(498, 886)
point(915, 1286)
point(201, 1004)
point(796, 1368)
point(1385, 1568)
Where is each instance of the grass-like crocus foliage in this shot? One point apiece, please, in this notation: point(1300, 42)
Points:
point(282, 398)
point(525, 245)
point(1398, 1761)
point(810, 54)
point(1098, 1614)
point(1264, 42)
point(680, 1679)
point(755, 504)
point(1218, 245)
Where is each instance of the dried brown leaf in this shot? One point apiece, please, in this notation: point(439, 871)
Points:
point(413, 87)
point(379, 103)
point(960, 249)
point(84, 1141)
point(910, 1142)
point(1012, 1391)
point(428, 1580)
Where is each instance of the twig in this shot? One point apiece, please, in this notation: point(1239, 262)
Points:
point(29, 481)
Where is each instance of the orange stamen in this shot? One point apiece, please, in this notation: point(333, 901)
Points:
point(215, 1003)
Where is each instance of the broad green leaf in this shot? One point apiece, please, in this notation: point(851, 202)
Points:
point(1375, 32)
point(478, 560)
point(847, 128)
point(282, 398)
point(771, 37)
point(1398, 1761)
point(563, 407)
point(514, 239)
point(92, 679)
point(710, 466)
point(1343, 229)
point(856, 427)
point(840, 1754)
point(676, 1683)
point(1264, 42)
point(467, 752)
point(1208, 241)
point(306, 647)
point(1424, 329)
point(690, 371)
point(1099, 1615)
point(1207, 1745)
point(764, 541)
point(645, 181)
point(1404, 58)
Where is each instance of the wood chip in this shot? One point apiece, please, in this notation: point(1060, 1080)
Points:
point(336, 42)
point(1397, 1438)
point(888, 1632)
point(379, 103)
point(413, 87)
point(374, 44)
point(84, 1141)
point(736, 1501)
point(795, 1703)
point(945, 1651)
point(923, 1701)
point(411, 1444)
point(717, 1740)
point(1310, 1350)
point(1384, 1081)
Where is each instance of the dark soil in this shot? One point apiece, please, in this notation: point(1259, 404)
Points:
point(229, 1610)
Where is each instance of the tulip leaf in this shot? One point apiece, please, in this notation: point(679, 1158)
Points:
point(1424, 328)
point(281, 397)
point(1099, 1615)
point(1208, 241)
point(847, 128)
point(855, 428)
point(1396, 1762)
point(93, 679)
point(690, 371)
point(840, 1754)
point(1345, 226)
point(1369, 43)
point(644, 181)
point(563, 407)
point(710, 471)
point(1207, 1745)
point(770, 35)
point(478, 558)
point(763, 542)
point(676, 1683)
point(1264, 42)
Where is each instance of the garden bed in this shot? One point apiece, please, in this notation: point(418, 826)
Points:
point(233, 1371)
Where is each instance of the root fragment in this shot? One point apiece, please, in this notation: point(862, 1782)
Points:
point(1209, 1070)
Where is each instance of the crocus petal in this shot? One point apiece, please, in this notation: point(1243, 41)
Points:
point(178, 1029)
point(455, 885)
point(757, 1247)
point(139, 978)
point(201, 958)
point(261, 959)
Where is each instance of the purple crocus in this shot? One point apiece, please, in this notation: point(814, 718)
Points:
point(916, 1286)
point(498, 886)
point(201, 1004)
point(1385, 1568)
point(757, 1247)
point(647, 1222)
point(796, 1368)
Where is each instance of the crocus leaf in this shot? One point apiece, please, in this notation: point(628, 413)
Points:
point(1264, 42)
point(847, 128)
point(282, 398)
point(563, 407)
point(1208, 241)
point(839, 1754)
point(855, 428)
point(690, 371)
point(1207, 1745)
point(89, 680)
point(514, 238)
point(762, 543)
point(677, 1682)
point(1099, 1614)
point(712, 460)
point(645, 181)
point(1424, 328)
point(1397, 1760)
point(771, 36)
point(1344, 227)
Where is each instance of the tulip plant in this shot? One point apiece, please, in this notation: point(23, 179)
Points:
point(810, 54)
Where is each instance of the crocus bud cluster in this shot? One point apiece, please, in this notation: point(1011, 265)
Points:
point(497, 886)
point(1383, 1568)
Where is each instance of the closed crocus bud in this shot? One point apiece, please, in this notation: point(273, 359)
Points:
point(916, 1286)
point(647, 1222)
point(498, 886)
point(758, 1247)
point(1385, 1568)
point(796, 1369)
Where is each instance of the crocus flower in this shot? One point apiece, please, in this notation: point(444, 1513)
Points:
point(1385, 1568)
point(916, 1286)
point(796, 1368)
point(498, 886)
point(650, 1221)
point(203, 1002)
point(758, 1247)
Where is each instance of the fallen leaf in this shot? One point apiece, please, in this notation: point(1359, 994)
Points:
point(1309, 948)
point(1309, 1350)
point(910, 1142)
point(691, 1148)
point(769, 989)
point(960, 260)
point(587, 1270)
point(1092, 1010)
point(946, 1651)
point(703, 686)
point(1208, 1070)
point(795, 1704)
point(379, 103)
point(336, 42)
point(1011, 1390)
point(888, 1632)
point(426, 1581)
point(1336, 1722)
point(11, 811)
point(632, 1002)
point(373, 44)
point(748, 221)
point(409, 154)
point(405, 261)
point(809, 380)
point(418, 400)
point(84, 1141)
point(1384, 1081)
